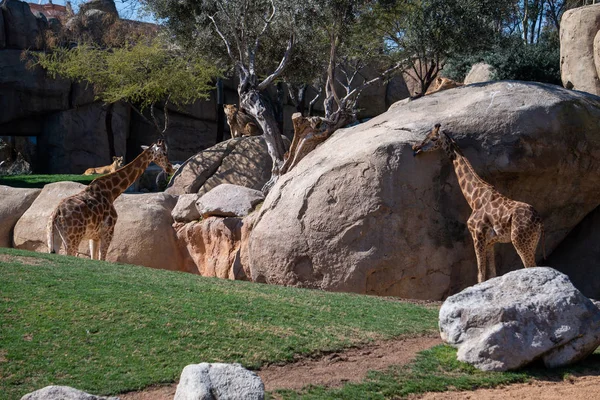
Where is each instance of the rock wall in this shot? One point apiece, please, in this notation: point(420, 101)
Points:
point(578, 28)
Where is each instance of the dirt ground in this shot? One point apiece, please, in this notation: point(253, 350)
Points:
point(352, 365)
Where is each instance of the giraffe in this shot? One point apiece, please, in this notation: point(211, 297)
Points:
point(495, 217)
point(90, 214)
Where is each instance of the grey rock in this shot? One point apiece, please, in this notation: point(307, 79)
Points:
point(63, 393)
point(107, 6)
point(21, 26)
point(26, 94)
point(2, 34)
point(578, 28)
point(186, 210)
point(76, 139)
point(508, 322)
point(480, 72)
point(361, 214)
point(241, 161)
point(228, 200)
point(14, 203)
point(219, 381)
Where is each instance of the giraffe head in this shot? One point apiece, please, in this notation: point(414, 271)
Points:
point(435, 140)
point(158, 152)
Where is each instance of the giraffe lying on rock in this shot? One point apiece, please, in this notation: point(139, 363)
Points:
point(90, 214)
point(495, 218)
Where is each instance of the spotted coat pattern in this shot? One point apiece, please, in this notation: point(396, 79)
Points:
point(90, 214)
point(495, 217)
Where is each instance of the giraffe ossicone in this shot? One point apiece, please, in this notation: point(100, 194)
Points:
point(495, 217)
point(90, 214)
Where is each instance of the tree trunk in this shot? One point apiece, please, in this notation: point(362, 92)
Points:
point(252, 102)
point(109, 130)
point(220, 111)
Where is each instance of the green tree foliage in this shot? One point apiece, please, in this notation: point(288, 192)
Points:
point(140, 74)
point(423, 34)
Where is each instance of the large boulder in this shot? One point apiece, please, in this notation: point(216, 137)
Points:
point(240, 161)
point(361, 214)
point(578, 28)
point(143, 233)
point(76, 139)
point(107, 6)
point(185, 210)
point(63, 393)
point(15, 201)
point(480, 72)
point(21, 27)
point(26, 93)
point(228, 200)
point(508, 322)
point(218, 381)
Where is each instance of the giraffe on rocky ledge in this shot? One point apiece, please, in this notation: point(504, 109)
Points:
point(495, 218)
point(90, 214)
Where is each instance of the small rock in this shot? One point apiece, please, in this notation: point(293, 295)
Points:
point(229, 201)
point(63, 393)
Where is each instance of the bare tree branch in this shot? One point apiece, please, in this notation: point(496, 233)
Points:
point(279, 70)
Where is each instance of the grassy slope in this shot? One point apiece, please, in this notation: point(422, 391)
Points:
point(107, 328)
point(38, 181)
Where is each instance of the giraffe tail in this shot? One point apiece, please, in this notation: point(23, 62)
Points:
point(544, 242)
point(54, 236)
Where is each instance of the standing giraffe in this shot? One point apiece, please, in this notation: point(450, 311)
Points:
point(495, 218)
point(90, 214)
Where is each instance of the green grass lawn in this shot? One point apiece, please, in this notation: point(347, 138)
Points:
point(107, 328)
point(38, 181)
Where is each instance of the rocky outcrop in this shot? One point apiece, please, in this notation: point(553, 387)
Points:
point(228, 200)
point(21, 26)
point(185, 210)
point(15, 202)
point(75, 151)
point(578, 28)
point(241, 161)
point(25, 93)
point(578, 254)
point(361, 214)
point(216, 381)
point(508, 322)
point(212, 244)
point(135, 239)
point(63, 393)
point(480, 72)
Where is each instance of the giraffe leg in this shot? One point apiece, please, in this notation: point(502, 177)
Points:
point(105, 243)
point(107, 233)
point(526, 246)
point(491, 262)
point(94, 249)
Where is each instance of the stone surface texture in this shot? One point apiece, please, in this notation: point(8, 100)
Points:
point(219, 381)
point(13, 204)
point(185, 210)
point(63, 393)
point(240, 161)
point(480, 72)
point(227, 200)
point(361, 214)
point(578, 28)
point(510, 321)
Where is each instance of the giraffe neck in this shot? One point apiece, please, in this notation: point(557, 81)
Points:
point(473, 187)
point(115, 183)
